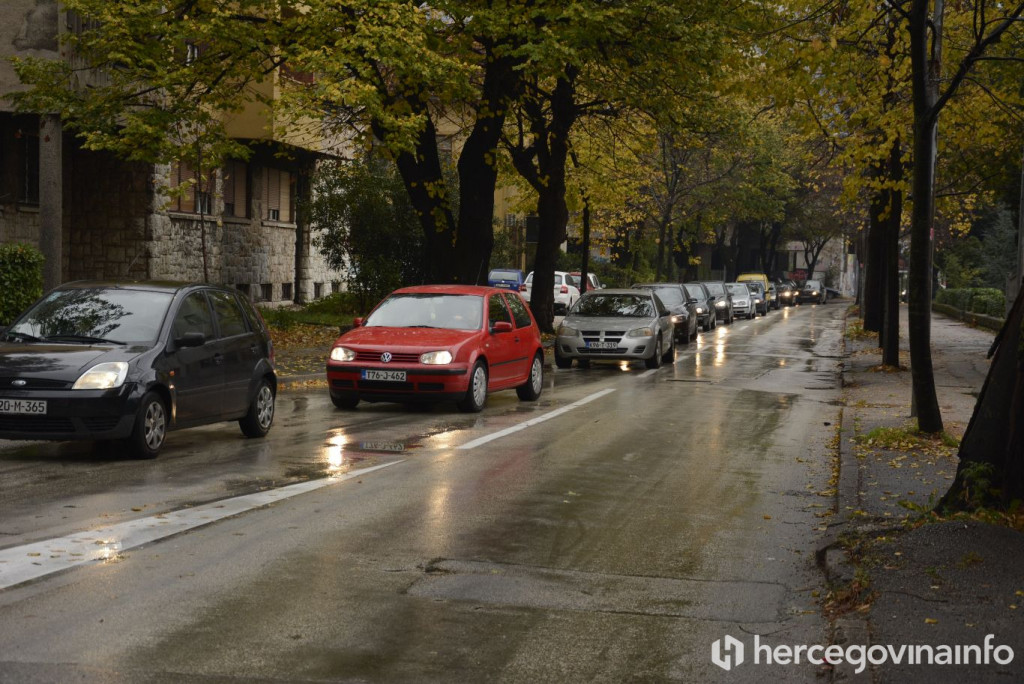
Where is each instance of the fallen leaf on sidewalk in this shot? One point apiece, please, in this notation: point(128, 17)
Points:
point(931, 621)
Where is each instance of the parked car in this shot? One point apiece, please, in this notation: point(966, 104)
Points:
point(593, 282)
point(609, 324)
point(566, 292)
point(765, 286)
point(704, 305)
point(506, 278)
point(439, 342)
point(787, 292)
point(812, 291)
point(131, 361)
point(675, 299)
point(720, 300)
point(742, 300)
point(759, 296)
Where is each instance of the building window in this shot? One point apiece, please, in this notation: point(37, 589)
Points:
point(190, 193)
point(29, 172)
point(277, 195)
point(286, 291)
point(236, 189)
point(318, 290)
point(267, 292)
point(335, 286)
point(243, 288)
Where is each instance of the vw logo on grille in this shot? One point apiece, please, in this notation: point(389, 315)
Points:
point(385, 357)
point(19, 382)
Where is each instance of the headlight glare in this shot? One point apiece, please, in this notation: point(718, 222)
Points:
point(436, 358)
point(342, 354)
point(720, 305)
point(102, 376)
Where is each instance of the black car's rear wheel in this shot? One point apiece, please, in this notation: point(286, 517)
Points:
point(150, 427)
point(531, 389)
point(260, 417)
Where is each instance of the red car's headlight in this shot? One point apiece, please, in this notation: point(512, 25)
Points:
point(436, 358)
point(342, 354)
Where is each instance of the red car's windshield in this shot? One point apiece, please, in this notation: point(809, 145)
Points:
point(455, 312)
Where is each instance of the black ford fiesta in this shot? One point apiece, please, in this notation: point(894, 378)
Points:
point(130, 361)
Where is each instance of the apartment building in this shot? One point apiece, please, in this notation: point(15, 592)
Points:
point(237, 224)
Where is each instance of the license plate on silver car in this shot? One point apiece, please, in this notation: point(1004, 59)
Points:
point(384, 375)
point(602, 345)
point(31, 407)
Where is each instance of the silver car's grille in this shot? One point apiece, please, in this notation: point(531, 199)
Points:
point(617, 350)
point(602, 336)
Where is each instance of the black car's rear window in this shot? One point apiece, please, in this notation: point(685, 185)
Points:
point(95, 314)
point(615, 305)
point(715, 288)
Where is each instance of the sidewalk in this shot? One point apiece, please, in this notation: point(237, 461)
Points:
point(902, 582)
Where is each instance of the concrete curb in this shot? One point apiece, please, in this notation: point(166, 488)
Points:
point(969, 317)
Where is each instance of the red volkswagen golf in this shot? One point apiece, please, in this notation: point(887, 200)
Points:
point(436, 343)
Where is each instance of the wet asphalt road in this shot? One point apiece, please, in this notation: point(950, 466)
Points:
point(614, 541)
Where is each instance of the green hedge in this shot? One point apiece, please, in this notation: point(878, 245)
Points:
point(982, 300)
point(21, 279)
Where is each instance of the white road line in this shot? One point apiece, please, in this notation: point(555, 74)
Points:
point(534, 421)
point(646, 373)
point(31, 561)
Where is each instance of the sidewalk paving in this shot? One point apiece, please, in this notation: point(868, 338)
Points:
point(936, 583)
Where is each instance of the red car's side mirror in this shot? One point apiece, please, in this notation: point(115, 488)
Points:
point(501, 327)
point(356, 322)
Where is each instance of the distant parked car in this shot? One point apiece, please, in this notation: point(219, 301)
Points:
point(566, 292)
point(630, 325)
point(704, 305)
point(593, 282)
point(131, 361)
point(675, 299)
point(439, 342)
point(721, 301)
point(742, 300)
point(506, 278)
point(787, 292)
point(759, 295)
point(812, 291)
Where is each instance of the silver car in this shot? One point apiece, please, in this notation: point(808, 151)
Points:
point(742, 300)
point(616, 325)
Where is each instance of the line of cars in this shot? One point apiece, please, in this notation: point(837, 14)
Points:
point(128, 362)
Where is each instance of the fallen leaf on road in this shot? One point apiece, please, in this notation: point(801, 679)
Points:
point(931, 621)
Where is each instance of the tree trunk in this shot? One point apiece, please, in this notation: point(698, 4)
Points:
point(994, 440)
point(874, 271)
point(421, 173)
point(478, 173)
point(890, 334)
point(929, 416)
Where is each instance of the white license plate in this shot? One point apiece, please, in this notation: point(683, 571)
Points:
point(23, 406)
point(602, 345)
point(384, 375)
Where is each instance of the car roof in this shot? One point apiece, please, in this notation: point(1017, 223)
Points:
point(477, 290)
point(638, 285)
point(611, 291)
point(144, 285)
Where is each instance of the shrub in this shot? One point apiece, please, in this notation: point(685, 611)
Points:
point(21, 279)
point(982, 300)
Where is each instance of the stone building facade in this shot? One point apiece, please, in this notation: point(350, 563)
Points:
point(236, 224)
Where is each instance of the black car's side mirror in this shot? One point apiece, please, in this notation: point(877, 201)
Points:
point(693, 300)
point(3, 329)
point(190, 339)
